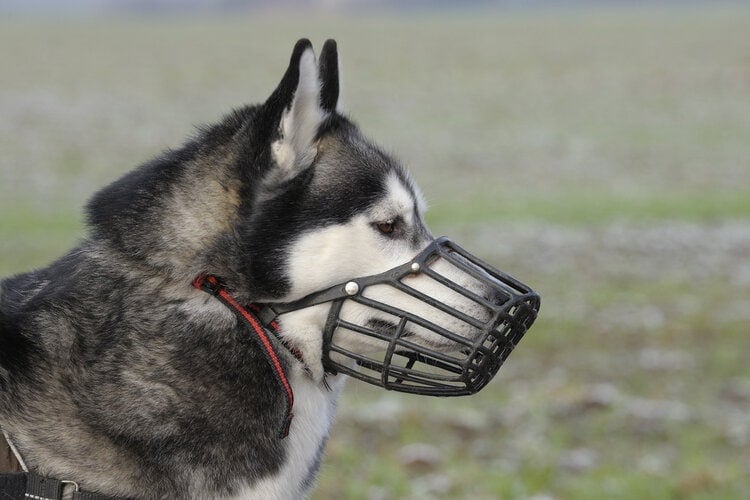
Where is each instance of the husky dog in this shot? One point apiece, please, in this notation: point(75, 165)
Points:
point(119, 375)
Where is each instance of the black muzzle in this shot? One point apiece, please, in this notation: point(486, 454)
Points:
point(447, 346)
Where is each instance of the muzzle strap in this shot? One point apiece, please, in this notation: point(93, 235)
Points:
point(210, 284)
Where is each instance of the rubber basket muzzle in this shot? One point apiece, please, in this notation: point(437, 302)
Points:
point(452, 347)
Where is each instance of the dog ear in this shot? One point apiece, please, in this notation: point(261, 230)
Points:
point(294, 113)
point(329, 76)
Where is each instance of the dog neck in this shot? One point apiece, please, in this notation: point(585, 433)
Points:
point(263, 333)
point(259, 334)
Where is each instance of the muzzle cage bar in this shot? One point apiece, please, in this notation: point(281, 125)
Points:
point(454, 364)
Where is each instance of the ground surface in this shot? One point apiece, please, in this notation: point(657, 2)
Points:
point(602, 157)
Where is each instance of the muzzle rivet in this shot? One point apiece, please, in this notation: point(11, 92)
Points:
point(415, 267)
point(351, 288)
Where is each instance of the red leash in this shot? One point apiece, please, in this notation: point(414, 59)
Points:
point(211, 285)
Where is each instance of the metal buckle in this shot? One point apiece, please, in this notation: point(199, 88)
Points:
point(66, 482)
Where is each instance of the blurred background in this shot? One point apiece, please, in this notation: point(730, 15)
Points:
point(599, 151)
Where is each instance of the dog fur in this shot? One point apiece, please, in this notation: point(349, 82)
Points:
point(117, 374)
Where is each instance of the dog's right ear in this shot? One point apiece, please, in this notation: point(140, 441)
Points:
point(329, 76)
point(293, 114)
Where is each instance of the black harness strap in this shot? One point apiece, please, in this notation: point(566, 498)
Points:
point(13, 485)
point(31, 486)
point(42, 488)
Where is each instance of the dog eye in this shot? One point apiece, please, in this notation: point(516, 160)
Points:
point(385, 227)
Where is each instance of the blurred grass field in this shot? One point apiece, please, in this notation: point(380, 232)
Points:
point(601, 156)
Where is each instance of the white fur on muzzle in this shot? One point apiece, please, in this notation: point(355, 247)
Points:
point(441, 324)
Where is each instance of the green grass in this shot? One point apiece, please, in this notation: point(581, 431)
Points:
point(587, 208)
point(31, 238)
point(600, 155)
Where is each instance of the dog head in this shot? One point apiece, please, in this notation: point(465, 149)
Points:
point(287, 198)
point(334, 207)
point(330, 205)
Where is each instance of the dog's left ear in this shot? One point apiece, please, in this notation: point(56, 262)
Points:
point(307, 94)
point(296, 109)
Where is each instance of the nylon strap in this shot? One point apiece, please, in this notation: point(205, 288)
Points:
point(42, 488)
point(31, 486)
point(211, 285)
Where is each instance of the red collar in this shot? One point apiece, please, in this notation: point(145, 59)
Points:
point(249, 316)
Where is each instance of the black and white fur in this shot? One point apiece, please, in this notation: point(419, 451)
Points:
point(117, 374)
